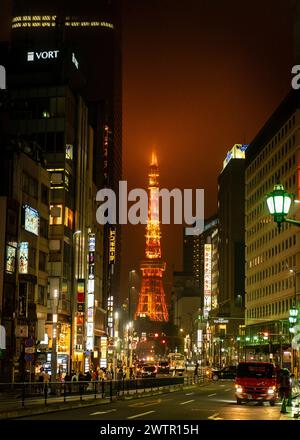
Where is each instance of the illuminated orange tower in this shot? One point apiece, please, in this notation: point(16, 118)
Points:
point(152, 299)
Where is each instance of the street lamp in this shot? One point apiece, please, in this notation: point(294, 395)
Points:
point(279, 203)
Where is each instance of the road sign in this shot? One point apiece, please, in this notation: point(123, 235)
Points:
point(29, 357)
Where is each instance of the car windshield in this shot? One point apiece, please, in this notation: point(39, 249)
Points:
point(256, 370)
point(149, 368)
point(163, 364)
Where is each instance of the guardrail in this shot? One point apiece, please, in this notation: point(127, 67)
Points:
point(20, 395)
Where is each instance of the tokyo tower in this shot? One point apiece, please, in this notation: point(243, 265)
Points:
point(152, 300)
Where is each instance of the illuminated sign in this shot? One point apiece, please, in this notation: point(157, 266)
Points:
point(103, 350)
point(105, 152)
point(221, 321)
point(31, 219)
point(23, 257)
point(112, 246)
point(207, 279)
point(10, 263)
point(42, 55)
point(237, 152)
point(91, 290)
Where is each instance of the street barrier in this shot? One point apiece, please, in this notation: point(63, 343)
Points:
point(14, 396)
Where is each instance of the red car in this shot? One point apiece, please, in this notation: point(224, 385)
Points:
point(256, 381)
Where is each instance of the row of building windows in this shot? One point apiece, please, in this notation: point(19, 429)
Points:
point(271, 252)
point(275, 308)
point(270, 289)
point(275, 140)
point(282, 266)
point(276, 173)
point(46, 21)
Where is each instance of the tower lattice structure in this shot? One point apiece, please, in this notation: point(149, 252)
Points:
point(152, 299)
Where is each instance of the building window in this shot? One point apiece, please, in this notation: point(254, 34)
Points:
point(69, 217)
point(30, 186)
point(45, 194)
point(32, 257)
point(42, 261)
point(42, 297)
point(44, 227)
point(56, 214)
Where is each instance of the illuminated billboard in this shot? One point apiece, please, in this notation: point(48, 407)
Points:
point(207, 279)
point(23, 257)
point(31, 219)
point(10, 263)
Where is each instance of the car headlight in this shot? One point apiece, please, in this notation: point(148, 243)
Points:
point(271, 391)
point(239, 389)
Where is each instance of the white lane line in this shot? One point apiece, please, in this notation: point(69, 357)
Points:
point(188, 401)
point(102, 412)
point(227, 389)
point(213, 394)
point(140, 415)
point(189, 394)
point(222, 385)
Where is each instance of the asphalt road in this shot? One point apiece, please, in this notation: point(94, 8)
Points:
point(215, 401)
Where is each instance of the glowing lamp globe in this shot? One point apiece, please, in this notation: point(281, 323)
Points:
point(279, 203)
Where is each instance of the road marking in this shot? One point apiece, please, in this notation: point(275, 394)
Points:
point(215, 417)
point(227, 389)
point(213, 394)
point(188, 401)
point(102, 412)
point(140, 415)
point(152, 402)
point(189, 394)
point(222, 385)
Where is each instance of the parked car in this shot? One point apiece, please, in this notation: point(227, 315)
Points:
point(163, 367)
point(256, 381)
point(225, 373)
point(146, 371)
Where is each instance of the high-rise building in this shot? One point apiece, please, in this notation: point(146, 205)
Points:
point(152, 300)
point(24, 216)
point(231, 279)
point(272, 258)
point(92, 32)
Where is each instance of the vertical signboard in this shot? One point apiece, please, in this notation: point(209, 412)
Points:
point(80, 312)
point(207, 279)
point(91, 292)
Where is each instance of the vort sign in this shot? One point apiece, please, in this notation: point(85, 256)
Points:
point(42, 55)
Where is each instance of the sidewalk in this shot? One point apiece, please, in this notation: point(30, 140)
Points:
point(293, 412)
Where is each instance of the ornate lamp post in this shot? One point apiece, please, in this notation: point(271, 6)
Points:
point(279, 203)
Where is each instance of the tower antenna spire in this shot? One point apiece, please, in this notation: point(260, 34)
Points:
point(152, 300)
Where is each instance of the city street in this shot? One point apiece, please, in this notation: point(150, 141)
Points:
point(212, 402)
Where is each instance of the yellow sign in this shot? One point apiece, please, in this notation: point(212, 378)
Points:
point(112, 246)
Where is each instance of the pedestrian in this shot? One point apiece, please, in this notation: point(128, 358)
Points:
point(284, 384)
point(196, 370)
point(41, 380)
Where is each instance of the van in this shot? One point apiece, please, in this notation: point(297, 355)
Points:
point(256, 381)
